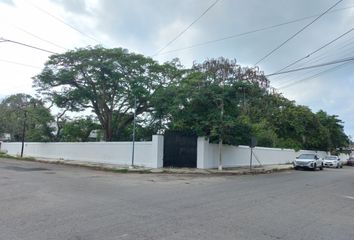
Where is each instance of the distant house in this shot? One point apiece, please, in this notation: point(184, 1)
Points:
point(96, 135)
point(5, 137)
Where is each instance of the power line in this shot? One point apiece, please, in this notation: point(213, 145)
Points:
point(314, 76)
point(297, 33)
point(62, 21)
point(18, 63)
point(27, 45)
point(294, 80)
point(314, 66)
point(249, 32)
point(188, 27)
point(327, 54)
point(317, 50)
point(233, 36)
point(40, 38)
point(288, 81)
point(313, 70)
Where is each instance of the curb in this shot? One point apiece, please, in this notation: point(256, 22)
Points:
point(102, 167)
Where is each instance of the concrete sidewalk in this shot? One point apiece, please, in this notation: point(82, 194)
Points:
point(230, 171)
point(138, 169)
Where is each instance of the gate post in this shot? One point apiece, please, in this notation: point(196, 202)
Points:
point(157, 150)
point(202, 153)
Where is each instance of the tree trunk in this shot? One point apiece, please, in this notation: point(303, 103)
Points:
point(107, 127)
point(108, 130)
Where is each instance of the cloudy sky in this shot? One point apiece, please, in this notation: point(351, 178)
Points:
point(146, 26)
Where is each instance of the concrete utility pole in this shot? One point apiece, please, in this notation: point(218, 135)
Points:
point(221, 131)
point(253, 144)
point(220, 136)
point(23, 132)
point(134, 125)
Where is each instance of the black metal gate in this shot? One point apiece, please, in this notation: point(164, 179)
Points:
point(180, 149)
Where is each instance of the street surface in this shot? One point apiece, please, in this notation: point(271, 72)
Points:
point(54, 202)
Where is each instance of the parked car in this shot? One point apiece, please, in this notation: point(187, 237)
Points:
point(309, 161)
point(350, 161)
point(332, 161)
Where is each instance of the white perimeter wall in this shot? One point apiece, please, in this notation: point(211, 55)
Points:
point(232, 156)
point(150, 154)
point(147, 154)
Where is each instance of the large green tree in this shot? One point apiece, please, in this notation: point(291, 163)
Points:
point(209, 100)
point(296, 126)
point(336, 138)
point(223, 101)
point(107, 81)
point(21, 112)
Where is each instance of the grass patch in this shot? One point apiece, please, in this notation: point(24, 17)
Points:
point(123, 170)
point(5, 155)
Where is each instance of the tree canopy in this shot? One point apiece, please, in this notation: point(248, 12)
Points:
point(217, 98)
point(22, 110)
point(107, 81)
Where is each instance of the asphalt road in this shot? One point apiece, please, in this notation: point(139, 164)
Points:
point(44, 201)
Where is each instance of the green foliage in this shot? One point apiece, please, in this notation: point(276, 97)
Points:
point(17, 111)
point(265, 134)
point(220, 85)
point(78, 130)
point(104, 80)
point(207, 100)
point(217, 98)
point(334, 130)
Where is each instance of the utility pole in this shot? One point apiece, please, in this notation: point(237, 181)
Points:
point(251, 158)
point(134, 125)
point(220, 136)
point(253, 144)
point(221, 131)
point(23, 133)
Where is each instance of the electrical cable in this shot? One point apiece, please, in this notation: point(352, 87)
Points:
point(186, 29)
point(337, 52)
point(290, 81)
point(248, 32)
point(27, 45)
point(327, 54)
point(314, 66)
point(314, 76)
point(18, 63)
point(297, 33)
point(62, 21)
point(39, 38)
point(317, 50)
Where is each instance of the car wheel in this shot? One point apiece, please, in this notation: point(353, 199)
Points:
point(341, 166)
point(314, 167)
point(337, 166)
point(296, 168)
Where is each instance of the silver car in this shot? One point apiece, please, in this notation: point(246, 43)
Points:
point(332, 161)
point(309, 161)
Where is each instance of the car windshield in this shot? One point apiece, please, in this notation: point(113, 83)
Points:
point(330, 158)
point(307, 156)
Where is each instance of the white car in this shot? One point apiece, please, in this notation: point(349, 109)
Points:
point(309, 161)
point(332, 161)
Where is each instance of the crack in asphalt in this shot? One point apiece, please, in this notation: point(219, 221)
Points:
point(23, 169)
